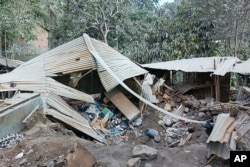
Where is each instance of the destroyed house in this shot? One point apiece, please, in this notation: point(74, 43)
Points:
point(59, 78)
point(74, 60)
point(202, 77)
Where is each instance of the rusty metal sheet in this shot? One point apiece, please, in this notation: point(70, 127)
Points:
point(128, 109)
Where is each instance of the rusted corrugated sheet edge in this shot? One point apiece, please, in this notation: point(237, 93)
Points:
point(75, 124)
point(99, 59)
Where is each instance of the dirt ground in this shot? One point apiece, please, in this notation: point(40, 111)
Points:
point(42, 146)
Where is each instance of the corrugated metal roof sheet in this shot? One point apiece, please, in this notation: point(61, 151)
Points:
point(217, 65)
point(123, 67)
point(242, 68)
point(219, 139)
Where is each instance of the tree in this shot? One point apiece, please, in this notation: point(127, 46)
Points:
point(97, 18)
point(231, 24)
point(17, 20)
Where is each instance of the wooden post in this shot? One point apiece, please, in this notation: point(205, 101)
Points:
point(217, 88)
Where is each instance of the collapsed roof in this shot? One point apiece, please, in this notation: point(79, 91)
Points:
point(216, 65)
point(74, 56)
point(83, 53)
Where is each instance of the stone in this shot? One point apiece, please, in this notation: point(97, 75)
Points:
point(148, 165)
point(168, 121)
point(208, 166)
point(134, 162)
point(30, 151)
point(186, 110)
point(24, 161)
point(201, 114)
point(60, 161)
point(80, 157)
point(50, 164)
point(161, 123)
point(144, 152)
point(170, 140)
point(157, 138)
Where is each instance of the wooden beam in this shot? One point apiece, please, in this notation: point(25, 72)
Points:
point(217, 88)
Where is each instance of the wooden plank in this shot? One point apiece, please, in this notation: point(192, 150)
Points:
point(129, 110)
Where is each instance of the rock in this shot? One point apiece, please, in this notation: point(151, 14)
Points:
point(20, 155)
point(208, 166)
point(80, 157)
point(50, 164)
point(161, 123)
point(144, 152)
point(157, 139)
point(60, 161)
point(148, 165)
point(168, 121)
point(186, 110)
point(30, 151)
point(24, 161)
point(134, 162)
point(201, 114)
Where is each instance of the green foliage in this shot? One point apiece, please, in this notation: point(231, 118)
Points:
point(17, 20)
point(139, 29)
point(189, 34)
